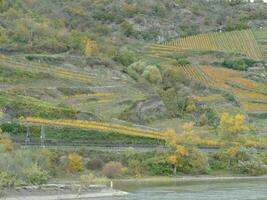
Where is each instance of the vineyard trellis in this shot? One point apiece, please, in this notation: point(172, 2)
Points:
point(250, 93)
point(113, 128)
point(195, 73)
point(56, 71)
point(235, 41)
point(99, 126)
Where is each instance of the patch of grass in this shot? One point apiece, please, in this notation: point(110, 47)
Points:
point(9, 76)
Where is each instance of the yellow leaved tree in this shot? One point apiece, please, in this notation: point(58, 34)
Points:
point(90, 48)
point(177, 151)
point(74, 163)
point(232, 125)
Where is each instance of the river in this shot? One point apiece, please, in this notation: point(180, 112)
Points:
point(245, 189)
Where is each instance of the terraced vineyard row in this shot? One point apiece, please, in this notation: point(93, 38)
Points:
point(236, 42)
point(57, 71)
point(93, 125)
point(247, 91)
point(93, 95)
point(195, 73)
point(261, 37)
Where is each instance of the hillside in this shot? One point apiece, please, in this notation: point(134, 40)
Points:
point(94, 90)
point(121, 63)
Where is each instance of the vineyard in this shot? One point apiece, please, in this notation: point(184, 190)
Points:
point(195, 73)
point(60, 88)
point(251, 94)
point(93, 125)
point(92, 95)
point(261, 37)
point(134, 130)
point(53, 71)
point(247, 91)
point(242, 42)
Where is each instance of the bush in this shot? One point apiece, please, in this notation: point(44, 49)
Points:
point(194, 163)
point(138, 66)
point(132, 73)
point(183, 61)
point(113, 169)
point(5, 142)
point(125, 57)
point(7, 180)
point(127, 29)
point(219, 161)
point(172, 77)
point(239, 159)
point(241, 64)
point(95, 164)
point(158, 165)
point(152, 74)
point(89, 179)
point(74, 163)
point(36, 176)
point(252, 167)
point(135, 168)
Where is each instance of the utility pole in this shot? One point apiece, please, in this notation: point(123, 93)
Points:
point(27, 139)
point(42, 136)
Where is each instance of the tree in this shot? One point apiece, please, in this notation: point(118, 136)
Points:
point(90, 48)
point(232, 125)
point(172, 159)
point(152, 74)
point(135, 167)
point(75, 163)
point(125, 56)
point(127, 28)
point(177, 151)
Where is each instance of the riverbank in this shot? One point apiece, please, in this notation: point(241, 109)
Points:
point(191, 178)
point(71, 189)
point(60, 194)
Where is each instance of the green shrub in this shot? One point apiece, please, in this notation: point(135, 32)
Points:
point(183, 61)
point(253, 167)
point(239, 159)
point(89, 179)
point(194, 163)
point(132, 73)
point(152, 74)
point(127, 29)
point(7, 180)
point(5, 142)
point(138, 66)
point(125, 57)
point(135, 168)
point(35, 175)
point(241, 64)
point(157, 165)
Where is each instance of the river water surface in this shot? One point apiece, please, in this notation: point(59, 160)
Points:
point(247, 189)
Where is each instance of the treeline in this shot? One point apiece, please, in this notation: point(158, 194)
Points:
point(60, 26)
